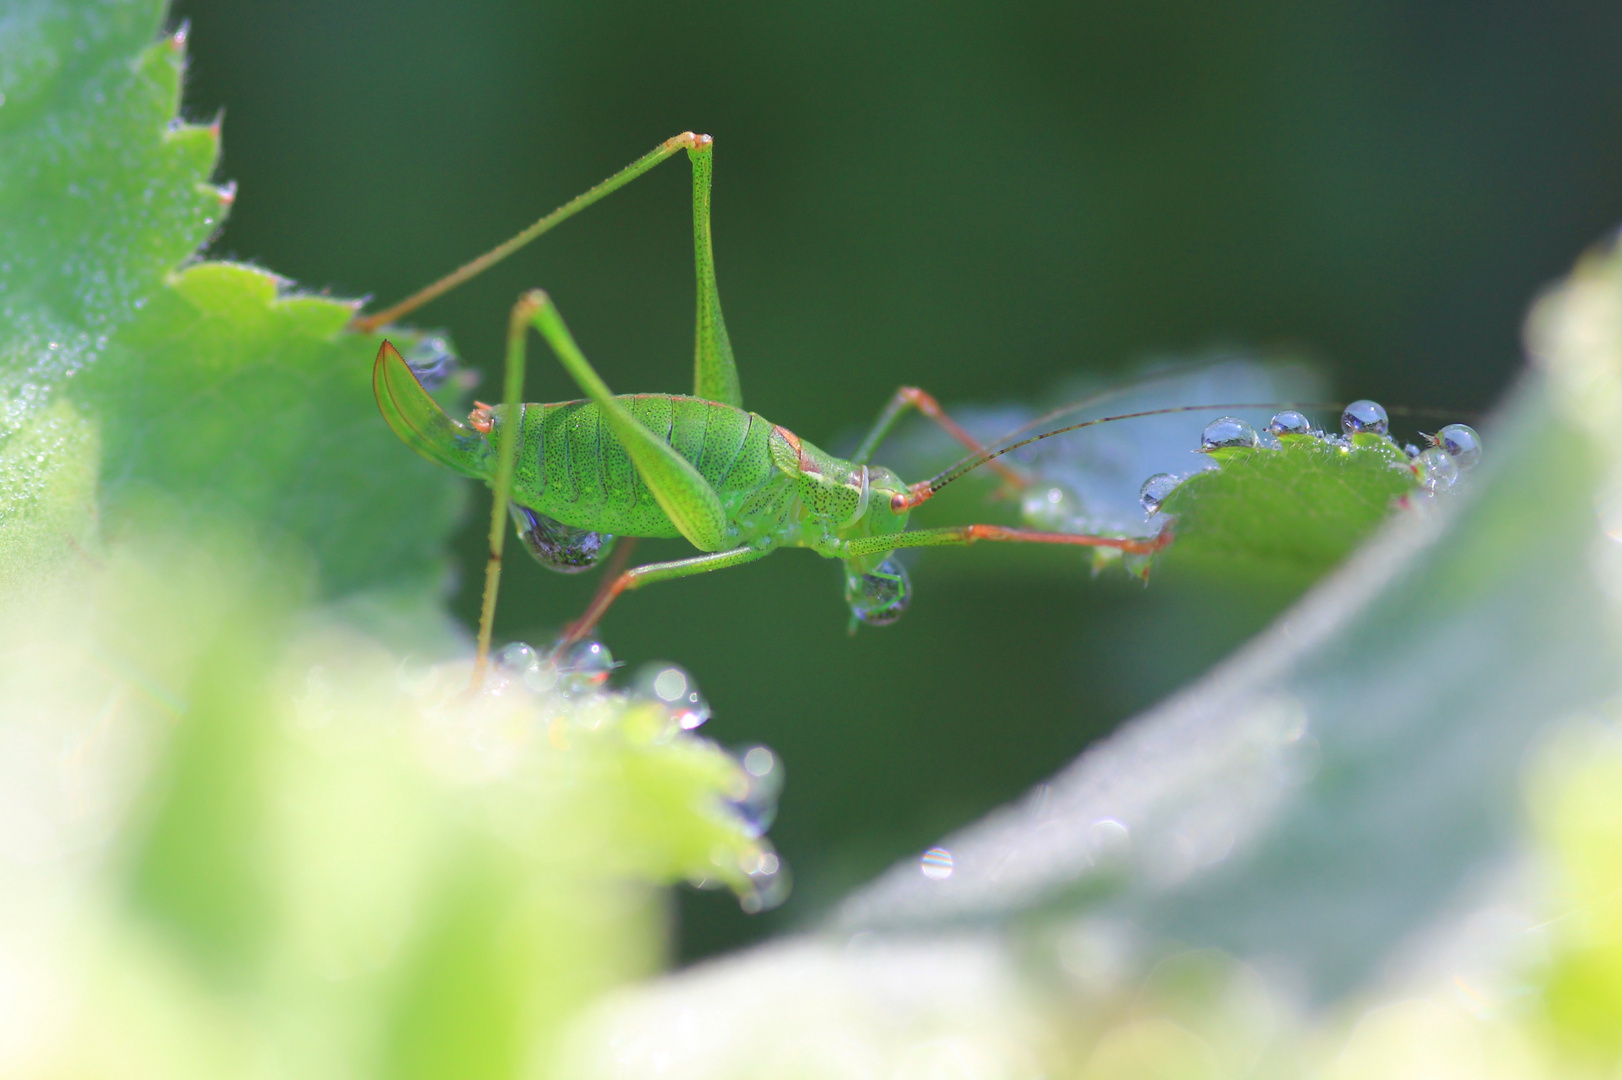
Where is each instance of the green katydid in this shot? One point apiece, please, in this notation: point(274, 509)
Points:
point(575, 475)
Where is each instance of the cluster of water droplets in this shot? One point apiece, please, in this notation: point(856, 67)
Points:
point(1453, 450)
point(571, 686)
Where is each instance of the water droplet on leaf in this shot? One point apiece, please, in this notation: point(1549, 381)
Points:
point(1154, 491)
point(517, 658)
point(1227, 432)
point(1289, 422)
point(1462, 444)
point(1365, 417)
point(675, 690)
point(936, 864)
point(757, 806)
point(1437, 469)
point(585, 665)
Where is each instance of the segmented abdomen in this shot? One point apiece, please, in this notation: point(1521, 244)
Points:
point(572, 467)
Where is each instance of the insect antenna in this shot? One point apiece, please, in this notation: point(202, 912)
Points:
point(925, 490)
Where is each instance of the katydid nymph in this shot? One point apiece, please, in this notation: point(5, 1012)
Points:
point(574, 475)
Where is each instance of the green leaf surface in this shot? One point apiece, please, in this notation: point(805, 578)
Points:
point(214, 392)
point(1290, 514)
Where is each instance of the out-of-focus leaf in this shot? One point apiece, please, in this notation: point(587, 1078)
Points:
point(235, 835)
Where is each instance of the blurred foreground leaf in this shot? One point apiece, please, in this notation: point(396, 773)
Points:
point(308, 856)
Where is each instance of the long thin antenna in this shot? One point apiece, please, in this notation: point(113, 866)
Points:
point(926, 489)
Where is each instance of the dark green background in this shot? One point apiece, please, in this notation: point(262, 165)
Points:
point(977, 199)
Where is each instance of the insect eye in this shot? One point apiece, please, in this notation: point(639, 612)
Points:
point(881, 596)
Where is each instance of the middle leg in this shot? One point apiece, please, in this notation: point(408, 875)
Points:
point(968, 534)
point(637, 577)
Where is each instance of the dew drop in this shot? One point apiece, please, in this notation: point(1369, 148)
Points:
point(416, 677)
point(517, 658)
point(1289, 422)
point(670, 684)
point(543, 677)
point(757, 806)
point(758, 761)
point(431, 361)
point(1154, 491)
point(1365, 417)
point(583, 666)
point(1268, 441)
point(1437, 469)
point(1227, 432)
point(1462, 444)
point(1053, 507)
point(673, 689)
point(768, 881)
point(936, 865)
point(1108, 836)
point(557, 546)
point(881, 596)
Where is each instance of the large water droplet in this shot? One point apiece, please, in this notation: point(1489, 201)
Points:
point(557, 546)
point(1437, 469)
point(881, 596)
point(1289, 422)
point(936, 865)
point(1365, 417)
point(1154, 491)
point(1462, 444)
point(1227, 432)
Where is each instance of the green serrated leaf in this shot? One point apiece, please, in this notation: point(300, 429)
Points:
point(226, 399)
point(212, 394)
point(1284, 515)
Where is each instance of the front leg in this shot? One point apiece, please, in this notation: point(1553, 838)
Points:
point(955, 535)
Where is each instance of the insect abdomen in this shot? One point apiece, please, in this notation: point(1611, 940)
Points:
point(573, 468)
